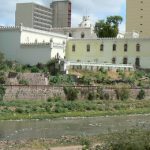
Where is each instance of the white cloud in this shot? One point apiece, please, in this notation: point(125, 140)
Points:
point(96, 9)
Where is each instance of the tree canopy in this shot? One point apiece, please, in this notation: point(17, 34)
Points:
point(108, 27)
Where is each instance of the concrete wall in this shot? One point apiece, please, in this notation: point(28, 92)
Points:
point(137, 17)
point(24, 14)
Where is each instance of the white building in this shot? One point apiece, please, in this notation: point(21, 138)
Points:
point(31, 46)
point(84, 30)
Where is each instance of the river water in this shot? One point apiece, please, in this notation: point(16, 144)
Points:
point(36, 129)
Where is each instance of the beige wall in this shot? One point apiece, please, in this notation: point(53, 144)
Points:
point(138, 17)
point(105, 56)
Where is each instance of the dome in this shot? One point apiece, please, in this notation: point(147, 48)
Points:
point(86, 22)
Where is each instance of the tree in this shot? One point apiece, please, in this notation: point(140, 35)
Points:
point(2, 92)
point(108, 27)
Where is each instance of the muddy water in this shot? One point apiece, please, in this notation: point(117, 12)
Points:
point(35, 129)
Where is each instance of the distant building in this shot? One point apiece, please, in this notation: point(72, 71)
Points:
point(138, 17)
point(61, 13)
point(34, 16)
point(84, 30)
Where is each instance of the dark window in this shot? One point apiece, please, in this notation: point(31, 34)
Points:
point(125, 47)
point(88, 48)
point(70, 34)
point(137, 62)
point(125, 60)
point(114, 60)
point(73, 48)
point(101, 47)
point(114, 47)
point(82, 35)
point(137, 47)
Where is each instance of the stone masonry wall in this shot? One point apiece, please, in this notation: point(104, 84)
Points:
point(43, 92)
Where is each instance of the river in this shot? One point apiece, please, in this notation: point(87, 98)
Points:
point(36, 129)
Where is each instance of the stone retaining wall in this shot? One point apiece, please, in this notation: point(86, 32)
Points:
point(18, 92)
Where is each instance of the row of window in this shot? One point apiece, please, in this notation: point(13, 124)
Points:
point(125, 61)
point(114, 47)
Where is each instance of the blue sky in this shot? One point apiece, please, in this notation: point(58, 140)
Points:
point(96, 9)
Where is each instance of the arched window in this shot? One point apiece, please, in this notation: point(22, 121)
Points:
point(88, 48)
point(73, 48)
point(101, 47)
point(82, 35)
point(137, 47)
point(137, 62)
point(114, 47)
point(125, 60)
point(70, 34)
point(125, 47)
point(113, 60)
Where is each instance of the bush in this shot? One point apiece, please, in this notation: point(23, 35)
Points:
point(34, 69)
point(91, 96)
point(141, 94)
point(23, 82)
point(122, 93)
point(19, 110)
point(71, 93)
point(2, 92)
point(50, 99)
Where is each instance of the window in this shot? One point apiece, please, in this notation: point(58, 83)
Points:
point(88, 48)
point(36, 41)
point(137, 62)
point(82, 35)
point(125, 60)
point(114, 47)
point(125, 47)
point(113, 60)
point(73, 48)
point(101, 47)
point(70, 34)
point(137, 47)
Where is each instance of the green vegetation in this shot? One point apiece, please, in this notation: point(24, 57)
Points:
point(56, 108)
point(71, 93)
point(108, 27)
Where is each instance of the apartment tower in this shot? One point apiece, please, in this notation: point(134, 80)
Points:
point(34, 15)
point(138, 17)
point(61, 13)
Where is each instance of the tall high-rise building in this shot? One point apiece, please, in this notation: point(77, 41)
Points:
point(34, 16)
point(61, 13)
point(138, 17)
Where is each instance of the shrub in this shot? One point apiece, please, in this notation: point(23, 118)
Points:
point(91, 96)
point(23, 82)
point(19, 110)
point(50, 99)
point(34, 69)
point(141, 94)
point(122, 93)
point(71, 93)
point(2, 92)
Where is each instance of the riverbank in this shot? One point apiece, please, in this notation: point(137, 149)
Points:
point(131, 139)
point(22, 110)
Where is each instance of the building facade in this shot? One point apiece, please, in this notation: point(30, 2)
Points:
point(84, 30)
point(137, 17)
point(61, 13)
point(127, 51)
point(31, 46)
point(34, 16)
